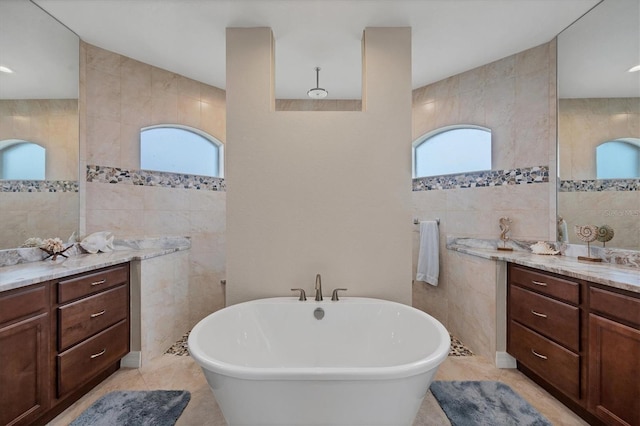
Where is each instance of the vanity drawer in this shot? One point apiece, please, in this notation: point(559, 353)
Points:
point(85, 317)
point(85, 360)
point(550, 285)
point(557, 365)
point(87, 284)
point(615, 305)
point(23, 303)
point(556, 320)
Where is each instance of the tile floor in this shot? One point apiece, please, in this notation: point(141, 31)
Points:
point(181, 372)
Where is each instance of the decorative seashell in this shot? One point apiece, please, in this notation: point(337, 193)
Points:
point(505, 223)
point(32, 242)
point(586, 233)
point(543, 248)
point(98, 241)
point(605, 233)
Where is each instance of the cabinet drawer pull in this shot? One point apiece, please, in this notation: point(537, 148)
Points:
point(538, 355)
point(102, 353)
point(540, 283)
point(104, 281)
point(538, 314)
point(97, 314)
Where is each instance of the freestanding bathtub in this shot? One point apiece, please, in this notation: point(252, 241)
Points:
point(365, 362)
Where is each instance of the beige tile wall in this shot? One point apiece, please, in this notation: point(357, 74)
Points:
point(586, 123)
point(583, 125)
point(618, 209)
point(163, 296)
point(37, 214)
point(122, 96)
point(53, 124)
point(515, 98)
point(324, 207)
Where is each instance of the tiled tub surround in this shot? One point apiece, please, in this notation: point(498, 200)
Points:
point(159, 287)
point(525, 175)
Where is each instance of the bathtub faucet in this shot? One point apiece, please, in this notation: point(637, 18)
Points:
point(318, 288)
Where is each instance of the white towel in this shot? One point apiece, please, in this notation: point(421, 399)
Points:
point(428, 253)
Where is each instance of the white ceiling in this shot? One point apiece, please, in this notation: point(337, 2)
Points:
point(595, 53)
point(188, 36)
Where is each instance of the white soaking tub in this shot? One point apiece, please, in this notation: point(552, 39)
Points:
point(366, 362)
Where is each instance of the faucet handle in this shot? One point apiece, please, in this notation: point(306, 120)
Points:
point(303, 296)
point(334, 295)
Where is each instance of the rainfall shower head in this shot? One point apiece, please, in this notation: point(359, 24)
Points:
point(317, 92)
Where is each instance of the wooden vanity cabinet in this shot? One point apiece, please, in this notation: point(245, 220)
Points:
point(59, 339)
point(24, 354)
point(93, 325)
point(579, 340)
point(614, 356)
point(543, 328)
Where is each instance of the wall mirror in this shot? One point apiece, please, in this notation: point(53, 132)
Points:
point(599, 103)
point(38, 108)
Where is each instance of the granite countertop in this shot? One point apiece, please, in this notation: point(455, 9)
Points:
point(612, 275)
point(24, 274)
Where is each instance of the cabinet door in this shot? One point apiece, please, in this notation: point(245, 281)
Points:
point(24, 370)
point(614, 371)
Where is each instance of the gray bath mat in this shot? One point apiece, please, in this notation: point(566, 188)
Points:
point(485, 403)
point(150, 408)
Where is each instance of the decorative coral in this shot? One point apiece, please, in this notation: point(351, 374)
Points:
point(53, 247)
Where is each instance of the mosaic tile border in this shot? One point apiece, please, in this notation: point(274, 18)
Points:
point(106, 174)
point(487, 178)
point(595, 185)
point(39, 186)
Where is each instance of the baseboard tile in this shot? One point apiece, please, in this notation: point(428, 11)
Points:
point(504, 360)
point(132, 360)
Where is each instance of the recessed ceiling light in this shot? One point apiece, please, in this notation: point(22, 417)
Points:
point(6, 69)
point(634, 69)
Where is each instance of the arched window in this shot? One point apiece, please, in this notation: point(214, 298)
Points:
point(618, 159)
point(452, 149)
point(21, 160)
point(180, 149)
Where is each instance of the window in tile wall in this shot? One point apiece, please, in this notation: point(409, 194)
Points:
point(618, 159)
point(181, 149)
point(22, 160)
point(452, 149)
